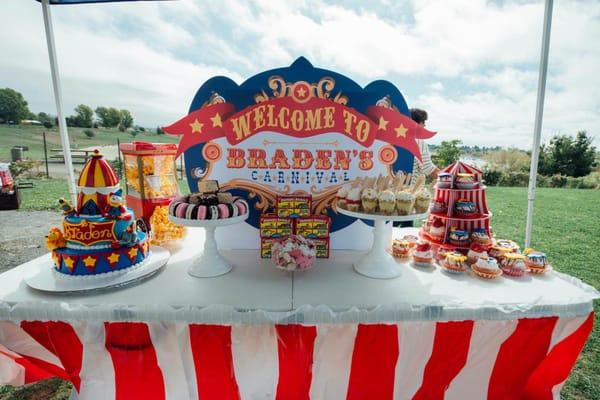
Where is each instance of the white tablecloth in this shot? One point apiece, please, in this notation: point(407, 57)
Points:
point(256, 292)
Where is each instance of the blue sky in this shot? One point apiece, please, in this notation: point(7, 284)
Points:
point(472, 64)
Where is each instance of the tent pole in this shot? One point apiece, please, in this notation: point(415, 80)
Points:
point(539, 113)
point(62, 123)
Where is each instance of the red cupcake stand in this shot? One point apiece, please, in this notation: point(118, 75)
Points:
point(450, 195)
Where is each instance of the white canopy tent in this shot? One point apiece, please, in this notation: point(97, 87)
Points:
point(538, 114)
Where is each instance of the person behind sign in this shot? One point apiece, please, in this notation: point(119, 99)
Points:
point(425, 166)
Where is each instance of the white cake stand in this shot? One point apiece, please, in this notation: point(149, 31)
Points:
point(378, 263)
point(209, 263)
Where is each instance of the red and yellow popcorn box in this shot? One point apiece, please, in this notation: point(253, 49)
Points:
point(293, 206)
point(313, 227)
point(272, 226)
point(322, 246)
point(265, 246)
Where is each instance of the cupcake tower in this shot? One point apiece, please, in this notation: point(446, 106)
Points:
point(459, 214)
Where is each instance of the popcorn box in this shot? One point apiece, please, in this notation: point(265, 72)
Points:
point(322, 246)
point(265, 246)
point(272, 226)
point(313, 227)
point(293, 206)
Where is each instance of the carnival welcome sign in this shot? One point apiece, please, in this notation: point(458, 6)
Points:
point(297, 130)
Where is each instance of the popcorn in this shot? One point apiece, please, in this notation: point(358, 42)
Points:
point(163, 230)
point(158, 173)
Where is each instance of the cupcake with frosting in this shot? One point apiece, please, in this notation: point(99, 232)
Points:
point(465, 208)
point(411, 239)
point(536, 261)
point(475, 252)
point(513, 264)
point(422, 254)
point(465, 181)
point(342, 193)
point(459, 237)
point(480, 236)
point(401, 249)
point(353, 199)
point(513, 246)
point(369, 200)
point(486, 267)
point(498, 251)
point(405, 202)
point(439, 206)
point(454, 262)
point(437, 230)
point(387, 202)
point(444, 180)
point(422, 200)
point(440, 254)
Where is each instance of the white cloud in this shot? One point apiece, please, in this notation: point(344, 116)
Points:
point(436, 86)
point(106, 67)
point(471, 63)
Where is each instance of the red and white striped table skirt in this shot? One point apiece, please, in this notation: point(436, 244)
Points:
point(488, 359)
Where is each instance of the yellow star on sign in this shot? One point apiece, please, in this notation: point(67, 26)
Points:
point(132, 252)
point(382, 124)
point(69, 263)
point(216, 120)
point(114, 258)
point(196, 126)
point(401, 131)
point(89, 261)
point(301, 92)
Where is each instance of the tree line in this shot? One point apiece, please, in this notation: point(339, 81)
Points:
point(565, 161)
point(14, 109)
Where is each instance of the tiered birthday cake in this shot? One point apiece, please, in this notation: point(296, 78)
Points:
point(459, 215)
point(100, 235)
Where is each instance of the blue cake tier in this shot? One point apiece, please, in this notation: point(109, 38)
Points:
point(98, 261)
point(96, 231)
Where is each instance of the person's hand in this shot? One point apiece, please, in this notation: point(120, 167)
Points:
point(434, 173)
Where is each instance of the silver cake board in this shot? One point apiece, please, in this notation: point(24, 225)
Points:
point(49, 281)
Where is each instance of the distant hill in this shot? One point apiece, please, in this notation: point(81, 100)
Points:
point(31, 136)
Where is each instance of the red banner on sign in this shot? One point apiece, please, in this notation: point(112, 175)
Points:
point(298, 119)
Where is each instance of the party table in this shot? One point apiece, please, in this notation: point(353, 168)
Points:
point(327, 333)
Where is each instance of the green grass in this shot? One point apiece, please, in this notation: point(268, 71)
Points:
point(45, 194)
point(565, 226)
point(32, 136)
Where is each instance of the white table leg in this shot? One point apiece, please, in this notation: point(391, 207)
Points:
point(378, 263)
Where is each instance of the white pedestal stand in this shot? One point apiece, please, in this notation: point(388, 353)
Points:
point(378, 263)
point(209, 263)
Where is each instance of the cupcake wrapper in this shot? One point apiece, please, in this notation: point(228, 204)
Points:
point(513, 271)
point(486, 275)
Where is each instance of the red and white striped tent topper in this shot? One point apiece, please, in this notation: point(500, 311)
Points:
point(506, 359)
point(459, 167)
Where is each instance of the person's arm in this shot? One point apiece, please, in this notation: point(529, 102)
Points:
point(428, 167)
